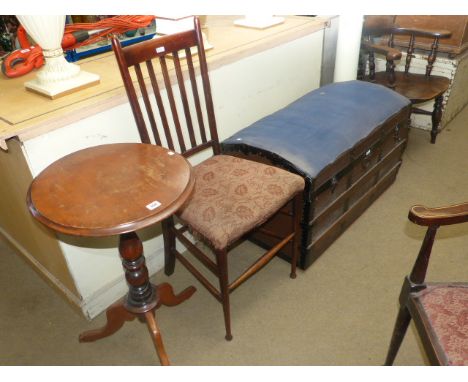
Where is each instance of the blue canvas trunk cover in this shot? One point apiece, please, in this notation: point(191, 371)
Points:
point(312, 132)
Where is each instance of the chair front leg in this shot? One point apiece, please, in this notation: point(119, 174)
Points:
point(169, 245)
point(391, 77)
point(221, 260)
point(296, 242)
point(436, 117)
point(399, 331)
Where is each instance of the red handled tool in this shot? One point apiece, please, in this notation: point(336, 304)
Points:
point(22, 61)
point(27, 58)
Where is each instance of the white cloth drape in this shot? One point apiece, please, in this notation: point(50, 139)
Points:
point(348, 46)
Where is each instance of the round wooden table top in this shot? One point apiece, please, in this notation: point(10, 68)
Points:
point(110, 189)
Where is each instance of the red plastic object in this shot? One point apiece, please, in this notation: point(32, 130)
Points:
point(27, 58)
point(22, 61)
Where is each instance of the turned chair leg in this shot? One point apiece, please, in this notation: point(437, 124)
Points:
point(169, 245)
point(221, 259)
point(399, 331)
point(436, 117)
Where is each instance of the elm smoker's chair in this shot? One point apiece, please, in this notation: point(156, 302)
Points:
point(439, 310)
point(232, 196)
point(418, 88)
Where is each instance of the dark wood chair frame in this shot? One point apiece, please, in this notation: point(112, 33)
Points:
point(161, 48)
point(392, 54)
point(433, 218)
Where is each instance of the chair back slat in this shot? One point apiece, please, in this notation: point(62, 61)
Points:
point(371, 65)
point(131, 93)
point(196, 97)
point(207, 90)
point(174, 88)
point(391, 40)
point(147, 102)
point(172, 102)
point(432, 56)
point(183, 94)
point(160, 104)
point(409, 53)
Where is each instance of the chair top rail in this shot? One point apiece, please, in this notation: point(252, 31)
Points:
point(446, 215)
point(422, 32)
point(161, 46)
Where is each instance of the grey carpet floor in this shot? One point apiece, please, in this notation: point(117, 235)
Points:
point(340, 311)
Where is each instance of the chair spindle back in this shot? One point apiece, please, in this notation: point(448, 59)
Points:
point(165, 70)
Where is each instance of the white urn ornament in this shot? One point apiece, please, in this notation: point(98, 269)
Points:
point(57, 77)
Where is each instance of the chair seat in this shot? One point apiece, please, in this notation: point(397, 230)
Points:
point(445, 308)
point(416, 87)
point(234, 195)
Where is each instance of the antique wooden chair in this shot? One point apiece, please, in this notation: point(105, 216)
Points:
point(439, 310)
point(232, 196)
point(418, 87)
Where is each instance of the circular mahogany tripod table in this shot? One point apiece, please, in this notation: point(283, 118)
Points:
point(117, 189)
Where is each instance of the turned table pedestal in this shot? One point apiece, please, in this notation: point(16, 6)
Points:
point(116, 189)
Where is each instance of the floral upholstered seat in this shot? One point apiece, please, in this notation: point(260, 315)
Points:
point(446, 309)
point(234, 195)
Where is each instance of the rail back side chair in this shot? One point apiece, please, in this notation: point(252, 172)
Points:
point(232, 196)
point(417, 87)
point(439, 310)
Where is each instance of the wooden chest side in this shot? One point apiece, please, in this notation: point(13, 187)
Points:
point(340, 192)
point(337, 203)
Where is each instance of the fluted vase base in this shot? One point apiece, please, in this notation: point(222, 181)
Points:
point(58, 89)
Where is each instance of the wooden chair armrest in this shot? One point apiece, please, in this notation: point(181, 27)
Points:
point(422, 32)
point(390, 53)
point(425, 216)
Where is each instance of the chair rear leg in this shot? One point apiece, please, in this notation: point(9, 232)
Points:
point(297, 205)
point(436, 117)
point(399, 331)
point(221, 259)
point(169, 245)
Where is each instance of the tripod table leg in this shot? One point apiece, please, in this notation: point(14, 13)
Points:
point(157, 339)
point(116, 317)
point(168, 298)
